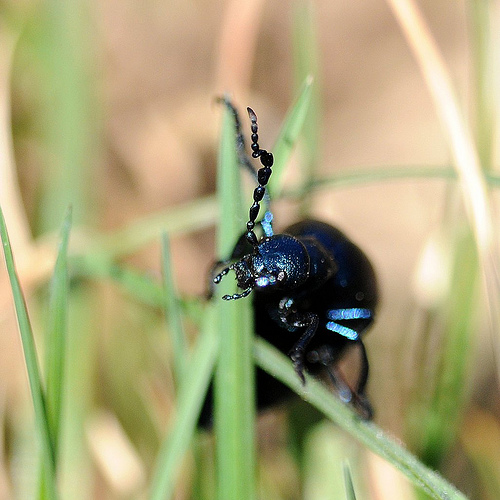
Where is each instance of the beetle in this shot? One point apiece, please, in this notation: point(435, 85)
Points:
point(314, 291)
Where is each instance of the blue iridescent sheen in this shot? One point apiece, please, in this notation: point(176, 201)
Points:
point(267, 223)
point(350, 313)
point(346, 332)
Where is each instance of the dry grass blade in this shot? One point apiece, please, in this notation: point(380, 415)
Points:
point(462, 147)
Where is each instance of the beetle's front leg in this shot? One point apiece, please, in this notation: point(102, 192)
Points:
point(292, 319)
point(297, 354)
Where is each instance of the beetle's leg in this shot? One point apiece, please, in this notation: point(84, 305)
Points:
point(365, 368)
point(237, 296)
point(339, 383)
point(297, 354)
point(325, 356)
point(361, 400)
point(218, 277)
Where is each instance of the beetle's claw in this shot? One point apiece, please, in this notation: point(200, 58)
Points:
point(363, 406)
point(297, 357)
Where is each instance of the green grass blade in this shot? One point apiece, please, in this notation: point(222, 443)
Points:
point(350, 494)
point(305, 55)
point(377, 174)
point(323, 451)
point(182, 219)
point(233, 390)
point(290, 131)
point(56, 338)
point(173, 311)
point(202, 213)
point(32, 367)
point(138, 284)
point(56, 346)
point(70, 116)
point(483, 46)
point(274, 362)
point(142, 287)
point(191, 397)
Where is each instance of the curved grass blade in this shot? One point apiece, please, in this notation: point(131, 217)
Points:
point(181, 219)
point(278, 365)
point(202, 213)
point(32, 367)
point(377, 174)
point(470, 175)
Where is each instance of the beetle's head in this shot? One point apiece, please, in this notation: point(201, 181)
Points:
point(280, 262)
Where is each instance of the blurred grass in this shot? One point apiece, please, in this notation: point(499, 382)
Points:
point(109, 337)
point(55, 354)
point(306, 65)
point(291, 130)
point(55, 349)
point(70, 110)
point(46, 422)
point(349, 486)
point(442, 385)
point(173, 313)
point(190, 398)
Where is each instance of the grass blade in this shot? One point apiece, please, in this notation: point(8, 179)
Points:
point(191, 395)
point(287, 139)
point(271, 360)
point(349, 486)
point(483, 46)
point(70, 114)
point(306, 56)
point(233, 389)
point(32, 367)
point(173, 311)
point(56, 346)
point(56, 338)
point(182, 219)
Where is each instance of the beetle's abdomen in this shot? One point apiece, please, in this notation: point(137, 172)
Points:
point(354, 282)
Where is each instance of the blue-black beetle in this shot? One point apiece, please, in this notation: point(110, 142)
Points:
point(314, 291)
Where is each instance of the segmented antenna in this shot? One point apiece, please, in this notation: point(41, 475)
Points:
point(263, 174)
point(267, 160)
